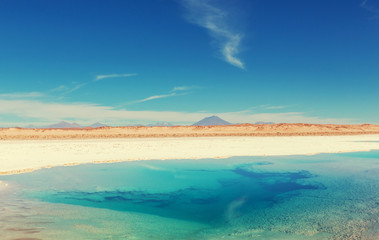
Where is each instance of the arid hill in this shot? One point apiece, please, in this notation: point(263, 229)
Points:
point(283, 129)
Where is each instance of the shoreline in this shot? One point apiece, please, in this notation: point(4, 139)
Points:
point(241, 130)
point(19, 156)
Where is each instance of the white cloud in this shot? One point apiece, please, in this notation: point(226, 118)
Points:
point(60, 88)
point(174, 92)
point(50, 111)
point(231, 49)
point(22, 95)
point(369, 7)
point(181, 88)
point(100, 77)
point(38, 111)
point(268, 107)
point(76, 87)
point(202, 13)
point(156, 97)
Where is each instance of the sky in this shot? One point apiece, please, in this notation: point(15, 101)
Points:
point(124, 62)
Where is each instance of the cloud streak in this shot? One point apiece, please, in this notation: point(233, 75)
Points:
point(271, 107)
point(76, 86)
point(174, 92)
point(22, 95)
point(215, 20)
point(63, 90)
point(101, 77)
point(370, 8)
point(38, 111)
point(156, 97)
point(181, 88)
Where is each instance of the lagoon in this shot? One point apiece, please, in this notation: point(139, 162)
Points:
point(323, 196)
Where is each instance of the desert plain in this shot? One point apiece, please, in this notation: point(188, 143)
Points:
point(24, 150)
point(282, 129)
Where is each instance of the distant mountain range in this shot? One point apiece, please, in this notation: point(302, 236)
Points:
point(64, 124)
point(213, 120)
point(160, 124)
point(97, 124)
point(264, 123)
point(208, 121)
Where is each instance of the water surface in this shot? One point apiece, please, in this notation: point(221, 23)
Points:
point(325, 196)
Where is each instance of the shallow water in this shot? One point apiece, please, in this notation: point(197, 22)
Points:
point(325, 196)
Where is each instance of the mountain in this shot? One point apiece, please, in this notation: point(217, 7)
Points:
point(97, 124)
point(30, 126)
point(213, 120)
point(264, 123)
point(64, 124)
point(160, 124)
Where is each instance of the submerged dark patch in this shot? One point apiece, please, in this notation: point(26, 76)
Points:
point(259, 175)
point(194, 203)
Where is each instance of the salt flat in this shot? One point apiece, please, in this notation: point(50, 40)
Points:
point(26, 155)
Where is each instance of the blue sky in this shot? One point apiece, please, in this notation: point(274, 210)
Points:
point(126, 62)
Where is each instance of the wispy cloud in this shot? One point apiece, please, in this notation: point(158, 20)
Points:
point(181, 88)
point(271, 107)
point(186, 88)
point(156, 97)
point(263, 107)
point(76, 87)
point(215, 20)
point(176, 91)
point(101, 77)
point(54, 93)
point(22, 95)
point(60, 88)
point(275, 107)
point(367, 5)
point(63, 90)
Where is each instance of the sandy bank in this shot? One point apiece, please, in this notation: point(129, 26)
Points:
point(283, 129)
point(25, 155)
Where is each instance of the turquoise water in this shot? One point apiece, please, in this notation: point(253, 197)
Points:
point(325, 196)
